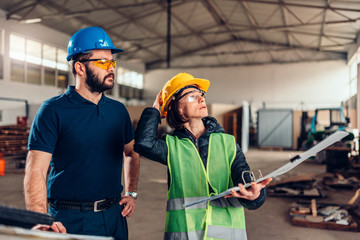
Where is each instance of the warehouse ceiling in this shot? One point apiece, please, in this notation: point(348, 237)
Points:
point(206, 33)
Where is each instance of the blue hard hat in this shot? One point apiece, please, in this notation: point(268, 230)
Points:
point(90, 38)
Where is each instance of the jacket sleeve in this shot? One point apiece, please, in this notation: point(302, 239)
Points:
point(239, 165)
point(146, 141)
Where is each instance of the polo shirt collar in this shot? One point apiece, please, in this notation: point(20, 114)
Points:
point(76, 98)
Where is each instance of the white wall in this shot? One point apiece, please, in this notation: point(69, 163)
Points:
point(316, 84)
point(35, 94)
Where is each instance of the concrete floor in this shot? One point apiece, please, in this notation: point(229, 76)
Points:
point(270, 222)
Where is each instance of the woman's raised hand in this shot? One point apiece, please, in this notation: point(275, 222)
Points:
point(158, 102)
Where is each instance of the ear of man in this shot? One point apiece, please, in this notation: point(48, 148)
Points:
point(80, 69)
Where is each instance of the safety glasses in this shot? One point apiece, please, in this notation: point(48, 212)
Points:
point(102, 63)
point(194, 95)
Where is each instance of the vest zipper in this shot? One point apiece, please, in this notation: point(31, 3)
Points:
point(196, 139)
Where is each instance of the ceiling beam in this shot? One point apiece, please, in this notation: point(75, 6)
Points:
point(323, 35)
point(255, 41)
point(31, 6)
point(301, 5)
point(263, 50)
point(152, 13)
point(284, 19)
point(247, 28)
point(254, 24)
point(322, 25)
point(193, 32)
point(139, 24)
point(226, 32)
point(340, 57)
point(92, 23)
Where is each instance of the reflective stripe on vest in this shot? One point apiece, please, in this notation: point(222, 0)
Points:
point(178, 203)
point(190, 181)
point(195, 235)
point(220, 232)
point(226, 202)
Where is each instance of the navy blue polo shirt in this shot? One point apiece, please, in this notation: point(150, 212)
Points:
point(86, 142)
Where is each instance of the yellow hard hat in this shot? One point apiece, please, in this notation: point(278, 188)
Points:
point(178, 82)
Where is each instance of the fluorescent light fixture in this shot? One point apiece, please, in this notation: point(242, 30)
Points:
point(33, 20)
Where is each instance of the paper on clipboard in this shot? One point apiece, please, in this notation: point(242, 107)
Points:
point(337, 136)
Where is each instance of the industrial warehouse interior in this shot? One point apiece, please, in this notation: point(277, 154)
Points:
point(283, 81)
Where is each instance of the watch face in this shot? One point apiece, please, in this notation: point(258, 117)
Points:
point(132, 194)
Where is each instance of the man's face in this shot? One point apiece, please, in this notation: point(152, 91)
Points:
point(98, 79)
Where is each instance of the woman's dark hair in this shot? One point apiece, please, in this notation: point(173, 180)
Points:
point(173, 117)
point(79, 57)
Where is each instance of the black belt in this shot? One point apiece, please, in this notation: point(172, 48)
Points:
point(96, 206)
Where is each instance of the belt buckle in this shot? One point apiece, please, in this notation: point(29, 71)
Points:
point(96, 205)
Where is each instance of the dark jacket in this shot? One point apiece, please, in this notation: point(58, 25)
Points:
point(148, 145)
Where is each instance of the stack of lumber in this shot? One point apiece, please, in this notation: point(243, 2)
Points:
point(13, 140)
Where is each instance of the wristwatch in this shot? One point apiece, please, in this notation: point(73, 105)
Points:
point(132, 194)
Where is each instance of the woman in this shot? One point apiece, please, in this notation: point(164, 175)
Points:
point(202, 161)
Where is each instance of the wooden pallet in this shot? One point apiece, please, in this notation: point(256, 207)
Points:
point(300, 219)
point(14, 139)
point(302, 222)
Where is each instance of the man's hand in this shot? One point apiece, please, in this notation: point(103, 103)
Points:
point(55, 227)
point(250, 193)
point(130, 204)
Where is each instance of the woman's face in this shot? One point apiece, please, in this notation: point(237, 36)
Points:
point(192, 103)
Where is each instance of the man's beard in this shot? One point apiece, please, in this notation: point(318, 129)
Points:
point(95, 84)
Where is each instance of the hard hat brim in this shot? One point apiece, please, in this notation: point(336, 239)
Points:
point(113, 51)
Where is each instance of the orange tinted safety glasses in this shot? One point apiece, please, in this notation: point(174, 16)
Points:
point(101, 63)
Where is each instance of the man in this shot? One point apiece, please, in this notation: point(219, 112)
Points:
point(86, 138)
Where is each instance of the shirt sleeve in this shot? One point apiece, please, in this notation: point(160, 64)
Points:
point(146, 141)
point(44, 130)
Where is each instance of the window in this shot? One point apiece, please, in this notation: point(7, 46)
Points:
point(17, 47)
point(49, 76)
point(131, 83)
point(130, 78)
point(17, 53)
point(29, 58)
point(33, 73)
point(17, 71)
point(63, 79)
point(33, 52)
point(49, 56)
point(61, 62)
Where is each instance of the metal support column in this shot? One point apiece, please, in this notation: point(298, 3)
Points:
point(168, 50)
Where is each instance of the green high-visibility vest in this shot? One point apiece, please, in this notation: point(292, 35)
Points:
point(218, 219)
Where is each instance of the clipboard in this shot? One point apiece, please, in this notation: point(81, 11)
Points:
point(293, 162)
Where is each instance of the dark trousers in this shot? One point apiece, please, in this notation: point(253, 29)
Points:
point(105, 223)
